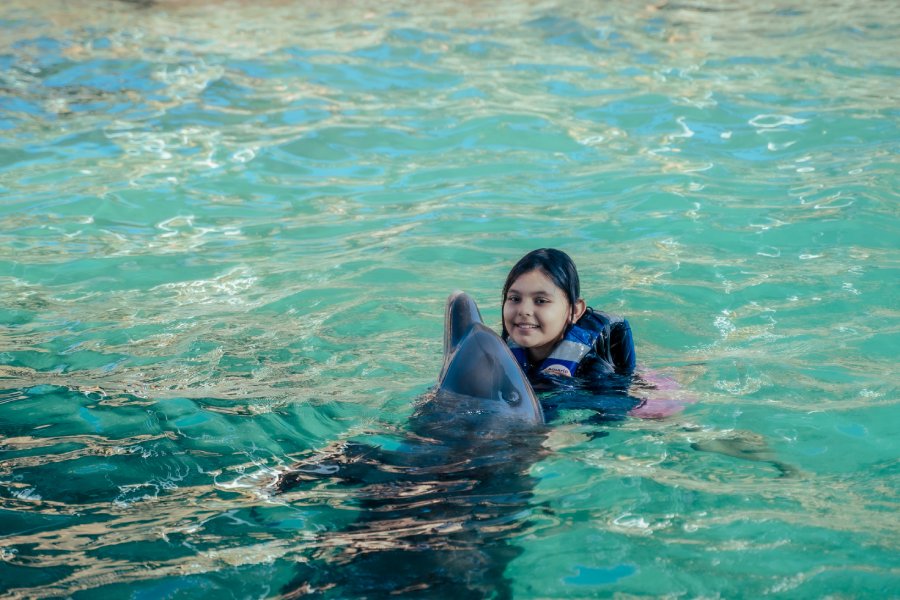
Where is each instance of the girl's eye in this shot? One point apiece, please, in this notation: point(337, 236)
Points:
point(541, 300)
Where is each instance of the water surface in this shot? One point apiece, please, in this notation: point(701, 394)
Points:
point(227, 232)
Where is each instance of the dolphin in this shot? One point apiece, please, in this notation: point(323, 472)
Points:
point(481, 386)
point(438, 516)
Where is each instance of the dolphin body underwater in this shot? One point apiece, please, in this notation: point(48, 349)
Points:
point(435, 518)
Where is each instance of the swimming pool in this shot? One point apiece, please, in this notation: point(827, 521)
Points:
point(227, 233)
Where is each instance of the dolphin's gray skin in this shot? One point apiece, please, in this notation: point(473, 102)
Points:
point(481, 387)
point(436, 518)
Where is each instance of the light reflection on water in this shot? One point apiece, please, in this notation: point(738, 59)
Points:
point(227, 234)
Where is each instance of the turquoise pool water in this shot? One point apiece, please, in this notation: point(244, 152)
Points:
point(227, 233)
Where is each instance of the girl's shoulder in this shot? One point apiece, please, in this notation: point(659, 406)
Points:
point(613, 348)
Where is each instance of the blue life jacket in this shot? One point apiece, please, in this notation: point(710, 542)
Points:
point(567, 355)
point(606, 338)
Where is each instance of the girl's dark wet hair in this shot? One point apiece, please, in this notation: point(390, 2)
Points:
point(553, 263)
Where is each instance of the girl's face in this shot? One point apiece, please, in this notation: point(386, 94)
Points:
point(536, 313)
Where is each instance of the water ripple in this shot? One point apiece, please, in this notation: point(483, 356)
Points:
point(227, 231)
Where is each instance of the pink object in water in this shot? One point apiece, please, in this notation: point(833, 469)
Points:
point(662, 396)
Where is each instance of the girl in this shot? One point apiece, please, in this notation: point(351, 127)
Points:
point(551, 331)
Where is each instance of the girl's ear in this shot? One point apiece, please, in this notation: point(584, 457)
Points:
point(578, 310)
